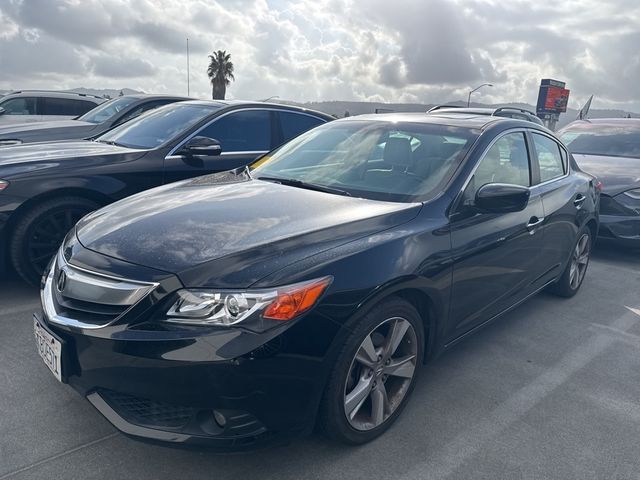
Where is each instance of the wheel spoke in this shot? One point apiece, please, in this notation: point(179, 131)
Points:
point(367, 355)
point(354, 400)
point(401, 367)
point(379, 404)
point(582, 260)
point(395, 336)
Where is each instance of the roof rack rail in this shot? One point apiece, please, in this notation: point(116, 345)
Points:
point(439, 107)
point(35, 90)
point(523, 110)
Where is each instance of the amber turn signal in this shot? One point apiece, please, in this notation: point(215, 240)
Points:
point(296, 299)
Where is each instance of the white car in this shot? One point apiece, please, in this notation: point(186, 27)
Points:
point(28, 106)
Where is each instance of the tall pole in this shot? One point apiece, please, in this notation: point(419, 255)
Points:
point(188, 86)
point(475, 89)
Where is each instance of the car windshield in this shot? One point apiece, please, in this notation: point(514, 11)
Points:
point(107, 110)
point(382, 160)
point(157, 127)
point(608, 140)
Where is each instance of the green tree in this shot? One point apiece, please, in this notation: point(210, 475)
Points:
point(220, 72)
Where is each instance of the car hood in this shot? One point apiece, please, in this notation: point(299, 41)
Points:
point(618, 174)
point(47, 152)
point(58, 124)
point(228, 230)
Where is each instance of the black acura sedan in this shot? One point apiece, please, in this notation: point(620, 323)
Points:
point(609, 149)
point(46, 187)
point(93, 123)
point(251, 305)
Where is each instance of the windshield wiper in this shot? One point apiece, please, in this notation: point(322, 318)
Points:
point(300, 184)
point(109, 142)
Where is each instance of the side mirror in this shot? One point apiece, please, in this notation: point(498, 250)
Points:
point(2, 110)
point(202, 147)
point(502, 198)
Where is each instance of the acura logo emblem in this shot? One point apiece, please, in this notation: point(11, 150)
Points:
point(61, 281)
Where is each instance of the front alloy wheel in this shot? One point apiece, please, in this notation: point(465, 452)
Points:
point(380, 374)
point(373, 373)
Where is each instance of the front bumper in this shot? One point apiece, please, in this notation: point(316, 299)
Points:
point(163, 390)
point(624, 229)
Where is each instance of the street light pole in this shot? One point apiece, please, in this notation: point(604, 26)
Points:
point(475, 89)
point(188, 89)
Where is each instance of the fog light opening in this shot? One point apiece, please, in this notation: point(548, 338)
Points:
point(220, 418)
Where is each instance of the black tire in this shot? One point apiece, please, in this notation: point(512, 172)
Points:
point(39, 232)
point(567, 286)
point(332, 419)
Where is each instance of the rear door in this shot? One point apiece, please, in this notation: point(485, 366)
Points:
point(562, 199)
point(243, 134)
point(497, 257)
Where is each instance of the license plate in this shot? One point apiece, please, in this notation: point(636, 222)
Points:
point(49, 349)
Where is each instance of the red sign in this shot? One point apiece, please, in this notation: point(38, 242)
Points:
point(557, 99)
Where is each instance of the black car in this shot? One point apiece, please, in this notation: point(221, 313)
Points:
point(248, 305)
point(93, 123)
point(609, 149)
point(507, 112)
point(46, 187)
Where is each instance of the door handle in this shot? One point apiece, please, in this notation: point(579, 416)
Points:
point(533, 223)
point(579, 200)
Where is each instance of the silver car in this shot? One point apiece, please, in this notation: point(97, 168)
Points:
point(28, 106)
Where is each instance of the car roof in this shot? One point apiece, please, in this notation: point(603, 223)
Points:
point(155, 96)
point(609, 122)
point(52, 94)
point(252, 103)
point(458, 119)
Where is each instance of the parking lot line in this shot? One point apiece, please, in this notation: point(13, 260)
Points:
point(445, 462)
point(57, 456)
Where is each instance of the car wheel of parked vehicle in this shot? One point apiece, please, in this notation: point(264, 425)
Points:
point(576, 269)
point(374, 373)
point(39, 233)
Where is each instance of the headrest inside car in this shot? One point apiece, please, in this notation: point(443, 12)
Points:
point(397, 152)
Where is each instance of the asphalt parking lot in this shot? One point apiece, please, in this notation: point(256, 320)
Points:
point(552, 390)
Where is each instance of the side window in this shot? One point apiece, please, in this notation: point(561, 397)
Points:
point(549, 156)
point(136, 112)
point(20, 106)
point(243, 131)
point(293, 124)
point(56, 106)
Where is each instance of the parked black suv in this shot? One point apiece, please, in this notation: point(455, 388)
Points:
point(308, 289)
point(46, 187)
point(93, 123)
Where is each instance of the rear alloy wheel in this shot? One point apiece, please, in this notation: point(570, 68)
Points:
point(374, 373)
point(39, 233)
point(573, 276)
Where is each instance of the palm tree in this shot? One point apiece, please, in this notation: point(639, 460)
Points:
point(220, 72)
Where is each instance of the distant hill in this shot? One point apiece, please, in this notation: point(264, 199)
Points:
point(339, 108)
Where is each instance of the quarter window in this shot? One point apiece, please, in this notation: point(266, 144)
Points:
point(243, 131)
point(550, 159)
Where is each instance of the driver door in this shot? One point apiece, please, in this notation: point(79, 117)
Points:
point(497, 256)
point(243, 135)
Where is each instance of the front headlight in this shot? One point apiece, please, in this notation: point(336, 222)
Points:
point(227, 307)
point(635, 194)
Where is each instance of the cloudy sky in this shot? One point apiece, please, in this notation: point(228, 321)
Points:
point(384, 50)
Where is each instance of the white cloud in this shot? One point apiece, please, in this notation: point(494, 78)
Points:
point(400, 50)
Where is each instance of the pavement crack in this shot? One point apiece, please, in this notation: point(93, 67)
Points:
point(57, 455)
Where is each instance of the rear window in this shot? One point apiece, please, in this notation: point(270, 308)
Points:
point(64, 106)
point(608, 140)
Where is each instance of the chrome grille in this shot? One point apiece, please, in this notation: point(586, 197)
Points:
point(76, 297)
